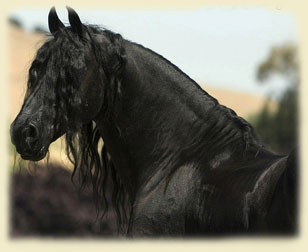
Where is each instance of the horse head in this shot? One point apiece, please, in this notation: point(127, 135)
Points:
point(64, 90)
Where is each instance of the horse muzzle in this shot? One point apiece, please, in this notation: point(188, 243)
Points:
point(27, 140)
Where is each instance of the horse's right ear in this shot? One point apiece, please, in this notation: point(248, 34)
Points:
point(54, 22)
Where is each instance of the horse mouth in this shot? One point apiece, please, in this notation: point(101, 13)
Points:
point(36, 156)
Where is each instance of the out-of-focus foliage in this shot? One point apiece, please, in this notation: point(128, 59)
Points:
point(15, 21)
point(278, 130)
point(282, 60)
point(47, 204)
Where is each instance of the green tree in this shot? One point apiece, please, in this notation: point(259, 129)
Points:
point(278, 130)
point(282, 60)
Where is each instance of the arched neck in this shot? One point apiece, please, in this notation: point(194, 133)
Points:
point(161, 119)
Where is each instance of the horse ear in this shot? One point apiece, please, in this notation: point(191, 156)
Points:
point(54, 22)
point(77, 26)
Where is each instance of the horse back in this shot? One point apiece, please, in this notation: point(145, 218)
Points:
point(282, 213)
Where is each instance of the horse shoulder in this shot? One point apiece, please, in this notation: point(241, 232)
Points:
point(161, 207)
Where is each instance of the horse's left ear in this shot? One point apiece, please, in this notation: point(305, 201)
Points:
point(54, 22)
point(77, 26)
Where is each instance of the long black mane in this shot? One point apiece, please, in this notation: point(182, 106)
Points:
point(84, 143)
point(84, 146)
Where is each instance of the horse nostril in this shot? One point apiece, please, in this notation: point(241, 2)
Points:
point(31, 132)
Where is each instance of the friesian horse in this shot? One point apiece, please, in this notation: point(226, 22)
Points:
point(180, 163)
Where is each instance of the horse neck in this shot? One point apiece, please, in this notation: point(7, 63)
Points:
point(160, 119)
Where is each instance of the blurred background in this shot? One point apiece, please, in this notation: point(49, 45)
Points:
point(244, 57)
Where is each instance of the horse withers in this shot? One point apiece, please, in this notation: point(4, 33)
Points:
point(180, 163)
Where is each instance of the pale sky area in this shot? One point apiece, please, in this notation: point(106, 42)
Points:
point(219, 47)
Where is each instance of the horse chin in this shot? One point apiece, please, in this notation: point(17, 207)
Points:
point(36, 156)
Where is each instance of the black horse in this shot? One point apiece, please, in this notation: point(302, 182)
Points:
point(180, 163)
